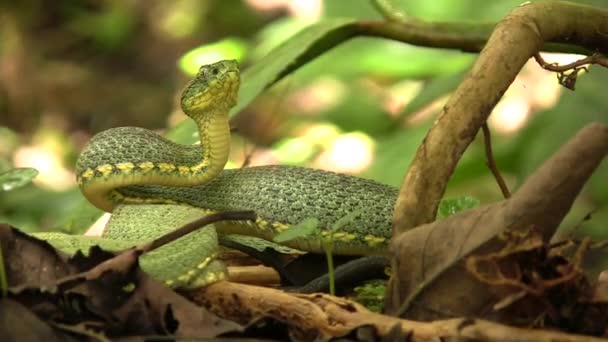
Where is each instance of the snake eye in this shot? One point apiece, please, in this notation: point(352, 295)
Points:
point(214, 71)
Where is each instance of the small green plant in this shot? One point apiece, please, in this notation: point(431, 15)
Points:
point(301, 230)
point(309, 227)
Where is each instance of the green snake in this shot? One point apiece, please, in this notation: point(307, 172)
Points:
point(152, 185)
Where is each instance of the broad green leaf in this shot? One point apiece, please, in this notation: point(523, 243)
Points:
point(369, 55)
point(292, 54)
point(303, 229)
point(17, 178)
point(276, 33)
point(284, 59)
point(448, 207)
point(383, 57)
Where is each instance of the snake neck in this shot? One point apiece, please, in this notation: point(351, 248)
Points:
point(120, 158)
point(142, 157)
point(214, 134)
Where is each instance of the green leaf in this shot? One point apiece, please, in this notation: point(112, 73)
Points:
point(275, 33)
point(303, 47)
point(17, 178)
point(449, 207)
point(300, 230)
point(292, 54)
point(382, 57)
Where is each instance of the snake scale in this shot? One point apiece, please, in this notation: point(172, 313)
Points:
point(152, 185)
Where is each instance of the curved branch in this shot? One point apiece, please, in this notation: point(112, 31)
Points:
point(515, 39)
point(319, 38)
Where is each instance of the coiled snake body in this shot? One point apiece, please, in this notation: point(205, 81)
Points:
point(152, 185)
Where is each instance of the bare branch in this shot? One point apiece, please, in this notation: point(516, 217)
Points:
point(323, 316)
point(596, 58)
point(515, 39)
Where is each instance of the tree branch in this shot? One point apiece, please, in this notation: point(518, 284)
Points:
point(322, 316)
point(515, 39)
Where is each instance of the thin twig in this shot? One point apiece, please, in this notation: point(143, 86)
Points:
point(123, 262)
point(596, 58)
point(196, 224)
point(568, 80)
point(487, 141)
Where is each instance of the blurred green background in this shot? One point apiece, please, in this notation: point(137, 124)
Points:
point(69, 69)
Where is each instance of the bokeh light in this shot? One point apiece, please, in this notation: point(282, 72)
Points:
point(349, 153)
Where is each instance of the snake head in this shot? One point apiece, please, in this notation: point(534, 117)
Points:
point(213, 89)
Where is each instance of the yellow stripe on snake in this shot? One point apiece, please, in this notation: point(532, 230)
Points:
point(152, 185)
